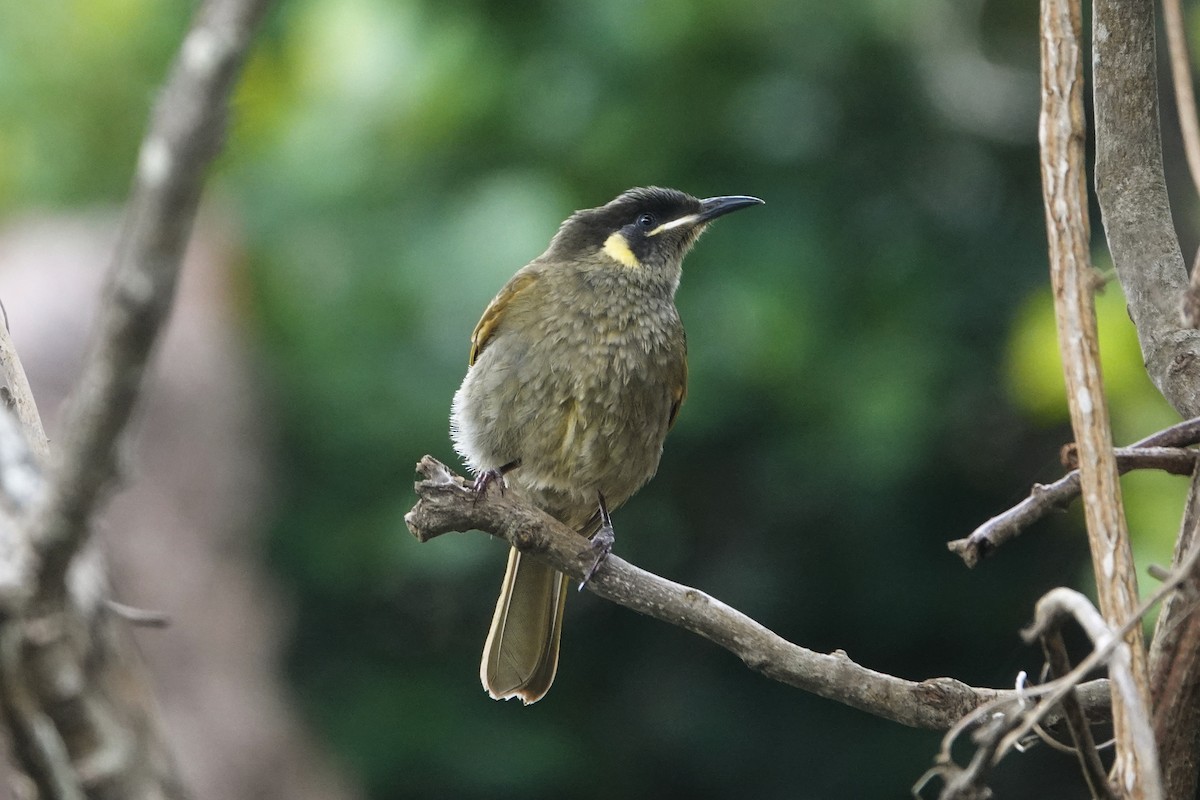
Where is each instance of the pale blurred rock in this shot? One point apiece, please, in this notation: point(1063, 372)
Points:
point(183, 534)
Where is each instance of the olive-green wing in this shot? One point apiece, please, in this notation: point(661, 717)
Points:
point(494, 313)
point(678, 390)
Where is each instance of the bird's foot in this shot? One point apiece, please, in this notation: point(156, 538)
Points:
point(602, 543)
point(492, 476)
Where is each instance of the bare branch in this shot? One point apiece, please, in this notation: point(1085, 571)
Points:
point(1133, 198)
point(967, 783)
point(1185, 95)
point(16, 395)
point(447, 503)
point(1185, 103)
point(138, 617)
point(1008, 721)
point(1175, 663)
point(184, 135)
point(1055, 650)
point(1159, 451)
point(39, 747)
point(1061, 132)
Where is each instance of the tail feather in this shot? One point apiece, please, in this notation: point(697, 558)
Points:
point(520, 657)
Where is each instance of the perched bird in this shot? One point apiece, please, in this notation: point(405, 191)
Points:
point(576, 373)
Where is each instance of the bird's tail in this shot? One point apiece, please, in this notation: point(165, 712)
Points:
point(520, 657)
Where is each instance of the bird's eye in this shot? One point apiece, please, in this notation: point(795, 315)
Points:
point(646, 221)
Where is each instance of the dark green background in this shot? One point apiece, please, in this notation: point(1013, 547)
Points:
point(873, 365)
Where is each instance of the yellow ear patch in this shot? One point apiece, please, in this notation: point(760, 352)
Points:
point(616, 247)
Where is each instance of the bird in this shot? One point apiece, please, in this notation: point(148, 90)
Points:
point(577, 371)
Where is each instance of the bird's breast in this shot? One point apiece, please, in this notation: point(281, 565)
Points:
point(580, 394)
point(607, 395)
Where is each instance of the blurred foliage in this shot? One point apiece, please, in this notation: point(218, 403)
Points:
point(873, 362)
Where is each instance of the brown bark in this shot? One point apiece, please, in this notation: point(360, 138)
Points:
point(1131, 188)
point(1061, 132)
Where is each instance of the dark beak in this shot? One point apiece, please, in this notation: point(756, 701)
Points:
point(714, 207)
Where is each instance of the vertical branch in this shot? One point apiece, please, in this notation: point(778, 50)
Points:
point(1131, 188)
point(1061, 132)
point(1185, 104)
point(1056, 606)
point(1185, 95)
point(1055, 650)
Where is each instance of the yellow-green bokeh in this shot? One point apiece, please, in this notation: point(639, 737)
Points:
point(1033, 370)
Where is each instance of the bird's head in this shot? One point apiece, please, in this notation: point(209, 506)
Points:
point(645, 229)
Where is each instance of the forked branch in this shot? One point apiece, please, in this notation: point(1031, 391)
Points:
point(1163, 450)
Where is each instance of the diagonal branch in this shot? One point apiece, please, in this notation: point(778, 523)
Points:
point(447, 503)
point(1055, 649)
point(185, 133)
point(16, 395)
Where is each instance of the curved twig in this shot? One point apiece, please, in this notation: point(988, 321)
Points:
point(1061, 603)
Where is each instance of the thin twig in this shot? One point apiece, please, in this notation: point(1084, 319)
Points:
point(1161, 450)
point(967, 783)
point(1020, 720)
point(1081, 733)
point(1140, 774)
point(139, 617)
point(1185, 105)
point(1171, 460)
point(1185, 96)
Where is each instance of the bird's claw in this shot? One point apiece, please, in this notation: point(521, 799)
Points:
point(489, 476)
point(485, 479)
point(601, 544)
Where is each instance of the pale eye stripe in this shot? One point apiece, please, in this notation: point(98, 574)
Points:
point(690, 219)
